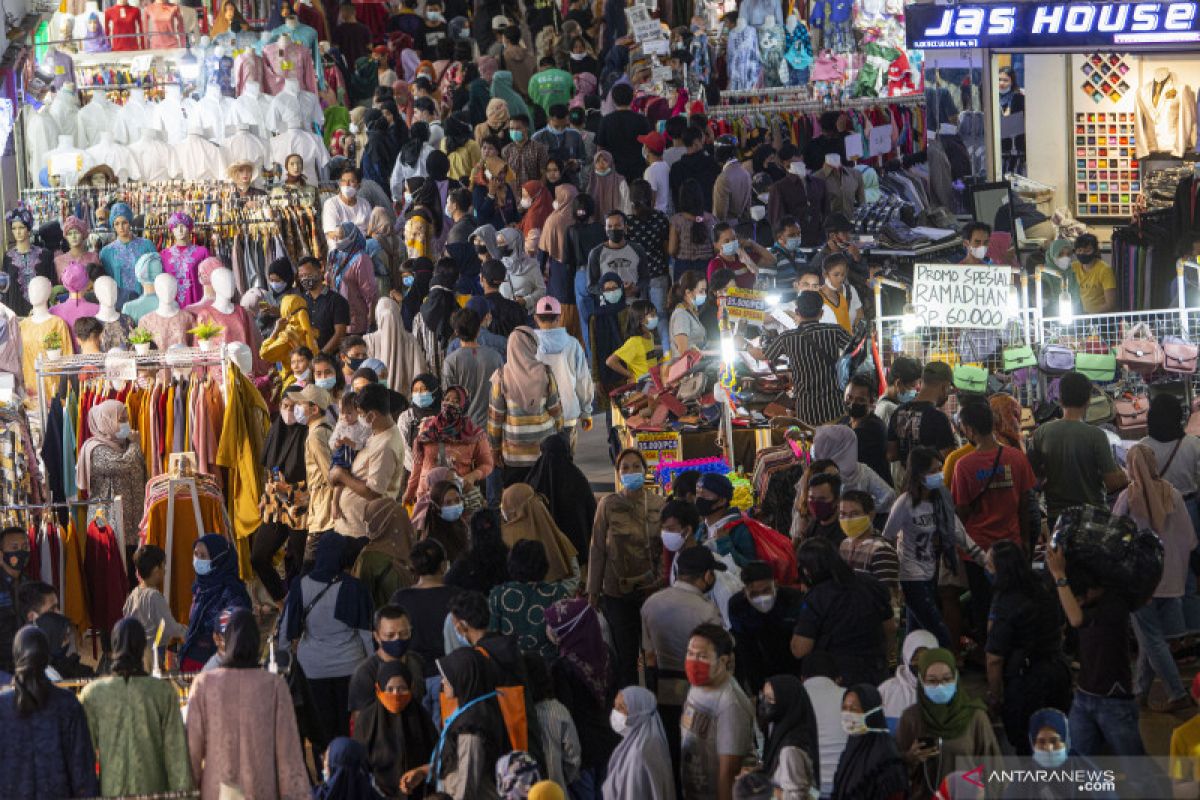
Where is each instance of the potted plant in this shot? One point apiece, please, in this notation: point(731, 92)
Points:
point(205, 332)
point(53, 342)
point(141, 339)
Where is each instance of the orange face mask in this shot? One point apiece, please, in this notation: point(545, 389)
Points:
point(394, 702)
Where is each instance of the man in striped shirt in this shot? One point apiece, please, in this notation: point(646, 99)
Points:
point(813, 349)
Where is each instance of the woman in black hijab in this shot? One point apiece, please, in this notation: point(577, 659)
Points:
point(398, 734)
point(475, 735)
point(870, 765)
point(568, 492)
point(485, 564)
point(284, 500)
point(379, 155)
point(412, 293)
point(789, 725)
point(281, 281)
point(58, 630)
point(432, 325)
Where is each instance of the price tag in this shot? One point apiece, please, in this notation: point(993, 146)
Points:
point(286, 66)
point(641, 24)
point(140, 65)
point(59, 69)
point(854, 146)
point(880, 140)
point(659, 447)
point(656, 47)
point(120, 368)
point(660, 74)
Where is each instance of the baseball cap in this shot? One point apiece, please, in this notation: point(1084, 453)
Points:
point(717, 484)
point(316, 395)
point(808, 304)
point(500, 22)
point(698, 560)
point(548, 305)
point(480, 305)
point(655, 142)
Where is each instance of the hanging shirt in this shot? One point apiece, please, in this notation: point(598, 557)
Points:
point(303, 35)
point(123, 24)
point(165, 26)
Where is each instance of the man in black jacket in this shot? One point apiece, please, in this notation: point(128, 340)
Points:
point(619, 131)
point(761, 618)
point(507, 315)
point(695, 163)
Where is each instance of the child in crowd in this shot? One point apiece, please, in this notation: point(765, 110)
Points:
point(301, 363)
point(349, 436)
point(638, 354)
point(147, 604)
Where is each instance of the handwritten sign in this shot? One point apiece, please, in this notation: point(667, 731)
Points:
point(657, 447)
point(120, 368)
point(880, 140)
point(655, 47)
point(659, 74)
point(641, 24)
point(747, 304)
point(961, 296)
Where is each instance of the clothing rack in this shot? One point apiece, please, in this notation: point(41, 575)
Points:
point(777, 91)
point(817, 105)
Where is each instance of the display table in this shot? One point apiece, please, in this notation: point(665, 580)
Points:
point(688, 445)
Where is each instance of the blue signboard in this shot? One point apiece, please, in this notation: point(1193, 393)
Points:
point(1051, 26)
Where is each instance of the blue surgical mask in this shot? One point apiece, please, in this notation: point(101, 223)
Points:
point(942, 693)
point(793, 244)
point(651, 323)
point(124, 432)
point(729, 248)
point(613, 297)
point(452, 513)
point(517, 136)
point(422, 399)
point(700, 298)
point(327, 384)
point(462, 640)
point(907, 396)
point(408, 280)
point(277, 286)
point(934, 480)
point(632, 481)
point(1050, 759)
point(203, 566)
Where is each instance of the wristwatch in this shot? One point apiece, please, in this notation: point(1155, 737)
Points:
point(1060, 581)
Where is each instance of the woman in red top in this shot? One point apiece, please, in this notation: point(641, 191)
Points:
point(741, 256)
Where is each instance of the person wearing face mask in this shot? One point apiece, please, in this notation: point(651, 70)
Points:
point(945, 725)
point(731, 191)
point(393, 727)
point(869, 429)
point(377, 469)
point(761, 619)
point(217, 587)
point(696, 164)
point(870, 765)
point(525, 156)
point(285, 499)
point(346, 206)
point(15, 553)
point(976, 237)
point(392, 630)
point(812, 348)
point(900, 691)
point(351, 273)
point(722, 528)
point(921, 421)
point(902, 378)
point(640, 764)
point(741, 256)
point(1094, 277)
point(789, 259)
point(788, 723)
point(658, 171)
point(329, 311)
point(799, 195)
point(1049, 737)
point(718, 718)
point(111, 464)
point(863, 548)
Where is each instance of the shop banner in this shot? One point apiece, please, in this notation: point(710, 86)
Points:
point(1051, 26)
point(660, 447)
point(747, 304)
point(961, 295)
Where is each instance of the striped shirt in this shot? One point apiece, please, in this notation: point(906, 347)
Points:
point(812, 351)
point(516, 433)
point(874, 555)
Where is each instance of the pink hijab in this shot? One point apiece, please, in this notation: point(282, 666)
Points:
point(585, 84)
point(421, 507)
point(409, 60)
point(104, 420)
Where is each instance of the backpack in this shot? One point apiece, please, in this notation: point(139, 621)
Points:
point(772, 547)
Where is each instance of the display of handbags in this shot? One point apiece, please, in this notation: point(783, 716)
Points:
point(1139, 351)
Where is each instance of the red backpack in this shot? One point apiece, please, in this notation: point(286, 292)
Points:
point(774, 548)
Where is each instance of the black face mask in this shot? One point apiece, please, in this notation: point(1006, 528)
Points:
point(310, 283)
point(706, 505)
point(766, 713)
point(1085, 258)
point(617, 236)
point(17, 560)
point(481, 249)
point(857, 410)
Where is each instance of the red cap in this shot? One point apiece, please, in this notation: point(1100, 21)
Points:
point(654, 142)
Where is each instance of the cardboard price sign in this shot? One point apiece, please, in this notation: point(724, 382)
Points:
point(747, 304)
point(961, 296)
point(641, 24)
point(659, 447)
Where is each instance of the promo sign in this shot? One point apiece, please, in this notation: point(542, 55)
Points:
point(747, 304)
point(1055, 26)
point(960, 295)
point(659, 447)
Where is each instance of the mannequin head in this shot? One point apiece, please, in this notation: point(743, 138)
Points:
point(146, 269)
point(294, 165)
point(242, 174)
point(222, 283)
point(106, 292)
point(120, 216)
point(165, 289)
point(180, 226)
point(20, 222)
point(39, 291)
point(20, 231)
point(240, 354)
point(204, 273)
point(75, 278)
point(75, 231)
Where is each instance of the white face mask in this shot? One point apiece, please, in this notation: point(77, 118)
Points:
point(526, 202)
point(300, 414)
point(348, 192)
point(554, 205)
point(124, 432)
point(763, 602)
point(799, 169)
point(979, 252)
point(1062, 262)
point(758, 213)
point(672, 540)
point(618, 721)
point(854, 723)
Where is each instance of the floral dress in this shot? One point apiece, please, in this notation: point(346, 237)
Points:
point(116, 333)
point(122, 474)
point(182, 262)
point(745, 70)
point(118, 259)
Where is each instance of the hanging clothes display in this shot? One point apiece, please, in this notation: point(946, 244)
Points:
point(745, 69)
point(1166, 116)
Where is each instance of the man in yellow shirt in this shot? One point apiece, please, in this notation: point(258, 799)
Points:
point(1096, 281)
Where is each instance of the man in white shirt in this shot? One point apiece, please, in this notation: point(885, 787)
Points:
point(346, 206)
point(819, 672)
point(658, 173)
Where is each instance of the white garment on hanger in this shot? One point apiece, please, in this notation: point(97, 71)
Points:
point(250, 107)
point(246, 146)
point(212, 109)
point(153, 156)
point(304, 104)
point(197, 159)
point(99, 115)
point(117, 156)
point(136, 114)
point(65, 108)
point(307, 145)
point(171, 118)
point(41, 136)
point(67, 161)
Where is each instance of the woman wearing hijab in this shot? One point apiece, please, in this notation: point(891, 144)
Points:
point(518, 605)
point(526, 517)
point(384, 246)
point(607, 187)
point(351, 273)
point(485, 565)
point(463, 763)
point(411, 287)
point(900, 692)
point(382, 565)
point(495, 123)
point(479, 95)
point(839, 444)
point(567, 492)
point(425, 396)
point(640, 766)
point(348, 774)
point(411, 161)
point(538, 202)
point(524, 408)
point(284, 505)
point(1158, 506)
point(216, 588)
point(607, 325)
point(379, 155)
point(241, 726)
point(1050, 742)
point(451, 438)
point(946, 713)
point(553, 242)
point(46, 750)
point(394, 346)
point(1006, 414)
point(502, 88)
point(396, 733)
point(135, 723)
point(443, 520)
point(293, 330)
point(460, 148)
point(493, 196)
point(583, 679)
point(789, 727)
point(281, 281)
point(327, 625)
point(1177, 452)
point(431, 326)
point(870, 765)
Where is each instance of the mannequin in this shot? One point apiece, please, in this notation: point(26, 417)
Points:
point(171, 117)
point(75, 231)
point(214, 108)
point(242, 175)
point(247, 68)
point(196, 158)
point(238, 324)
point(41, 134)
point(23, 261)
point(117, 326)
point(95, 40)
point(58, 62)
point(301, 34)
point(147, 268)
point(745, 69)
point(771, 46)
point(35, 328)
point(239, 354)
point(120, 255)
point(153, 155)
point(123, 24)
point(182, 259)
point(284, 59)
point(67, 161)
point(797, 51)
point(168, 323)
point(250, 108)
point(204, 276)
point(291, 98)
point(165, 25)
point(89, 8)
point(116, 156)
point(64, 108)
point(304, 143)
point(135, 116)
point(217, 69)
point(75, 279)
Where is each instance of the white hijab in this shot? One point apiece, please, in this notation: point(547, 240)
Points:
point(900, 692)
point(641, 765)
